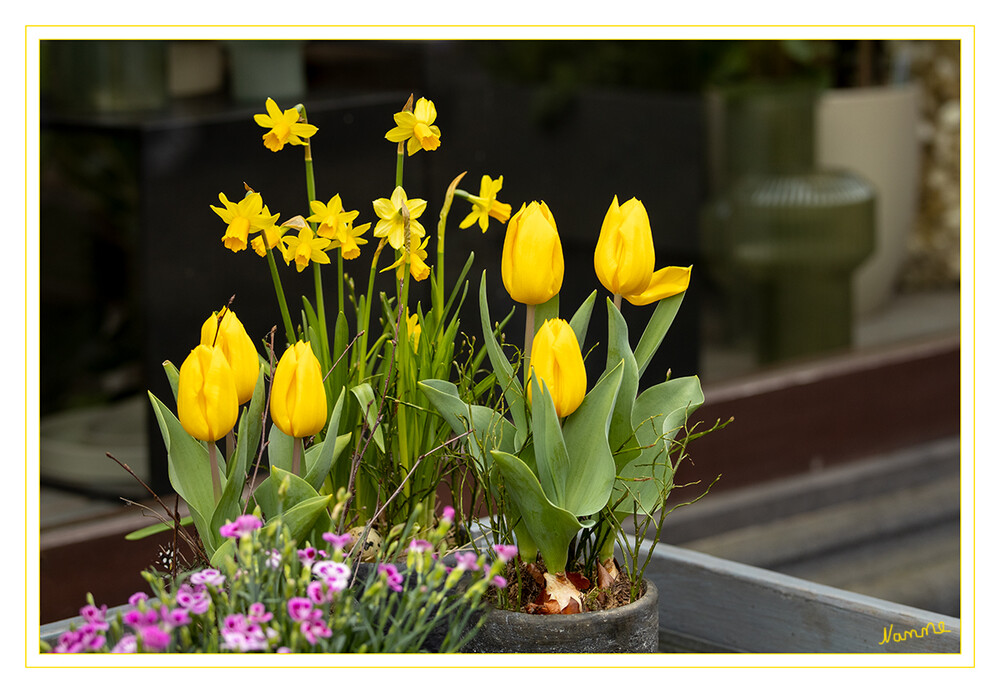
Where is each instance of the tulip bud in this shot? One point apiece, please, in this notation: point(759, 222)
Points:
point(298, 398)
point(206, 394)
point(556, 361)
point(532, 261)
point(624, 258)
point(238, 348)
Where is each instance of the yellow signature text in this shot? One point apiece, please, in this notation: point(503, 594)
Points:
point(888, 634)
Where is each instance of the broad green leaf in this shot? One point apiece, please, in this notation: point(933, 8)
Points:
point(187, 464)
point(226, 549)
point(365, 396)
point(550, 527)
point(173, 377)
point(545, 311)
point(592, 475)
point(296, 491)
point(248, 441)
point(656, 330)
point(320, 458)
point(658, 416)
point(581, 318)
point(551, 458)
point(279, 448)
point(510, 386)
point(620, 433)
point(489, 430)
point(301, 518)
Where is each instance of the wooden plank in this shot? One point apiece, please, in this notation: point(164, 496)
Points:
point(710, 604)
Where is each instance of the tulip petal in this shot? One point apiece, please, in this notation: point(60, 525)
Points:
point(666, 282)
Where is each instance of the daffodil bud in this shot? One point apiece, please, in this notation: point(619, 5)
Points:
point(238, 348)
point(207, 406)
point(556, 360)
point(532, 261)
point(298, 398)
point(624, 258)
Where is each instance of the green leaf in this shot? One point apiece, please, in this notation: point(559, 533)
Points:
point(320, 458)
point(591, 478)
point(268, 493)
point(545, 311)
point(301, 518)
point(581, 318)
point(188, 467)
point(656, 330)
point(489, 429)
point(279, 448)
point(510, 386)
point(248, 441)
point(365, 396)
point(173, 376)
point(620, 434)
point(551, 528)
point(551, 457)
point(658, 416)
point(157, 528)
point(226, 550)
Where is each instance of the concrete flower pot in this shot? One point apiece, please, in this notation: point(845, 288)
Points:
point(628, 629)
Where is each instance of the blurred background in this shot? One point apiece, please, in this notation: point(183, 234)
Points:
point(814, 186)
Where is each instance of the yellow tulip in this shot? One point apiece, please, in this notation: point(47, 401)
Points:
point(206, 394)
point(532, 260)
point(556, 360)
point(238, 348)
point(298, 399)
point(624, 258)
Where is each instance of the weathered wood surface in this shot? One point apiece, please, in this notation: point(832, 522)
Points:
point(710, 604)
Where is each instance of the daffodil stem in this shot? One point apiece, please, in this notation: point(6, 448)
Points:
point(311, 194)
point(213, 463)
point(285, 317)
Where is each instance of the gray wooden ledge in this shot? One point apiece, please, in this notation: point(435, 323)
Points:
point(709, 604)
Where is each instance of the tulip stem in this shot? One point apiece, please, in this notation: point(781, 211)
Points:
point(529, 337)
point(618, 301)
point(213, 464)
point(296, 454)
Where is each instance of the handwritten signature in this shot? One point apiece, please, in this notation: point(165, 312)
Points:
point(889, 636)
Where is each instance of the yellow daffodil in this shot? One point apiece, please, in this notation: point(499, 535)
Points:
point(337, 224)
point(624, 258)
point(532, 260)
point(271, 235)
point(237, 347)
point(242, 218)
point(416, 128)
point(486, 205)
point(207, 404)
point(284, 127)
point(390, 225)
point(298, 398)
point(417, 261)
point(556, 360)
point(306, 248)
point(413, 330)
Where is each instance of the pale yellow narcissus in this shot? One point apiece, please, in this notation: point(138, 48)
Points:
point(390, 225)
point(532, 260)
point(417, 128)
point(556, 360)
point(238, 348)
point(336, 223)
point(486, 205)
point(207, 404)
point(242, 218)
point(416, 259)
point(624, 258)
point(298, 398)
point(284, 127)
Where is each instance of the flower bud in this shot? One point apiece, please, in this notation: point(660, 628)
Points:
point(298, 398)
point(206, 394)
point(556, 361)
point(624, 258)
point(238, 348)
point(532, 261)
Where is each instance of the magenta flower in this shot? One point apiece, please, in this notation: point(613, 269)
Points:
point(505, 552)
point(194, 598)
point(300, 609)
point(258, 613)
point(499, 581)
point(95, 616)
point(136, 598)
point(273, 559)
point(448, 514)
point(392, 576)
point(174, 617)
point(337, 541)
point(310, 554)
point(242, 527)
point(314, 629)
point(154, 639)
point(421, 545)
point(467, 561)
point(208, 576)
point(137, 619)
point(127, 644)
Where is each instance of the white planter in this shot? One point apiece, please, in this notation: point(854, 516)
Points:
point(873, 132)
